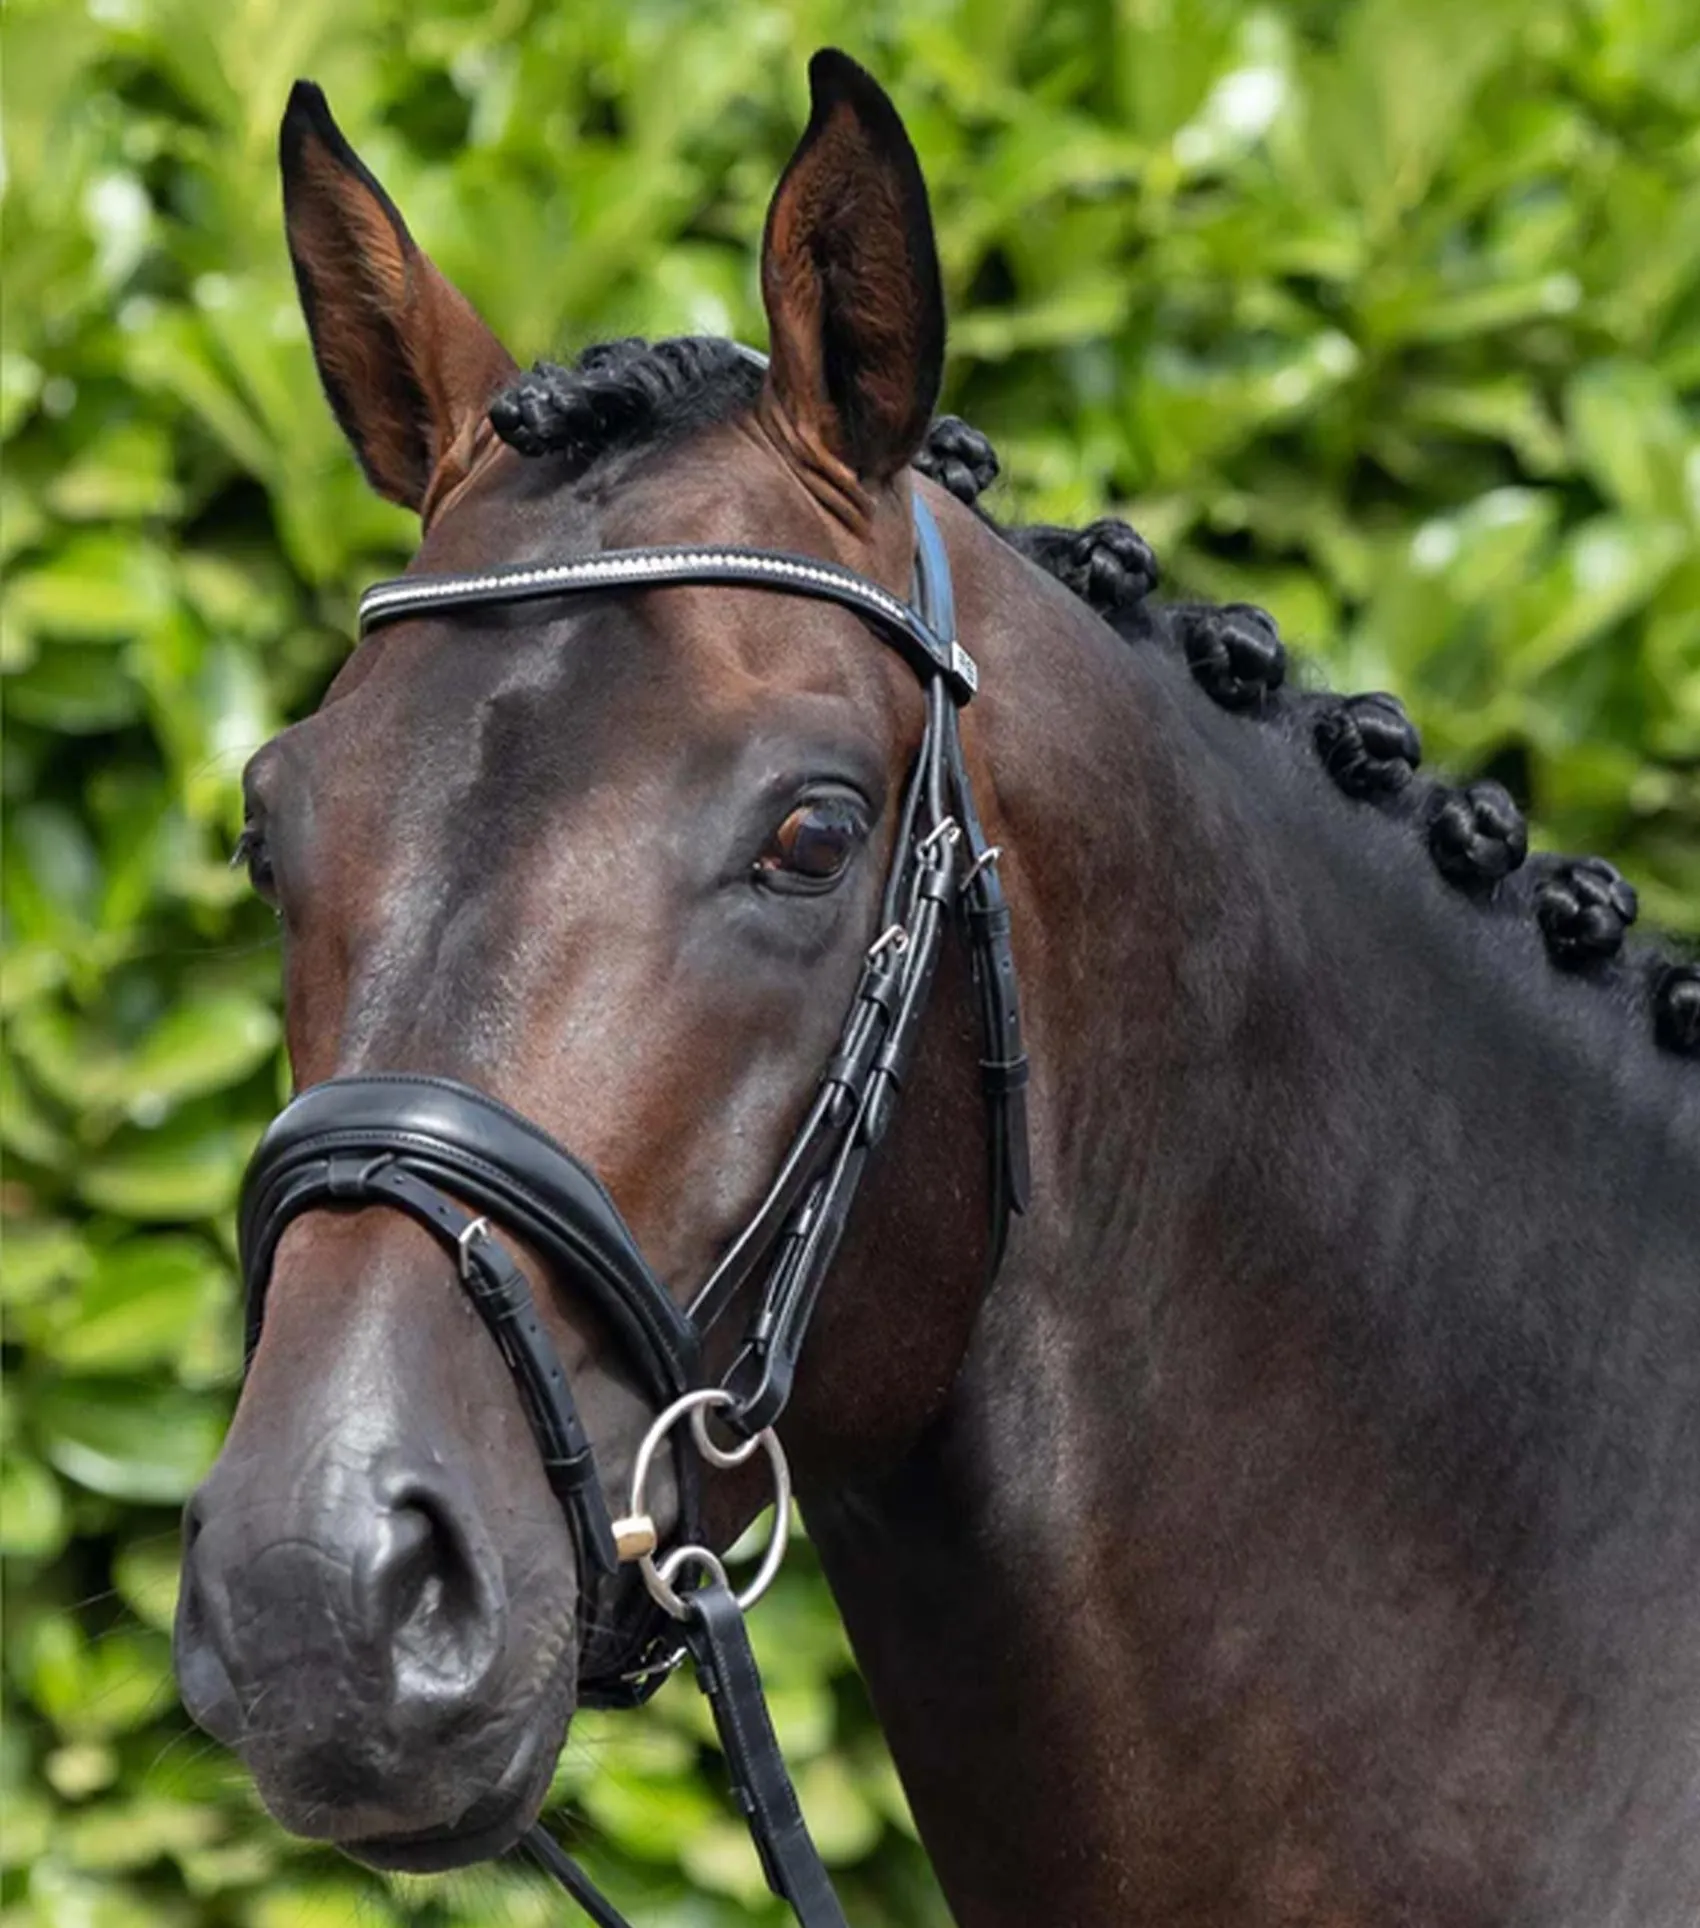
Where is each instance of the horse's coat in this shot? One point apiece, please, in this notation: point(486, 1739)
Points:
point(1305, 1528)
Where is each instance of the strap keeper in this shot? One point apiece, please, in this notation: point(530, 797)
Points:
point(989, 923)
point(1001, 1075)
point(570, 1472)
point(347, 1176)
point(492, 1276)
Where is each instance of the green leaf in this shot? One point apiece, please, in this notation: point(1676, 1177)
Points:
point(147, 1572)
point(124, 476)
point(61, 1898)
point(89, 1689)
point(20, 384)
point(1632, 440)
point(22, 525)
point(118, 1835)
point(184, 1170)
point(844, 1823)
point(81, 1768)
point(33, 1525)
point(324, 1901)
point(133, 1442)
point(29, 1828)
point(53, 873)
point(142, 1303)
point(196, 1047)
point(26, 1130)
point(647, 1817)
point(96, 588)
point(76, 691)
point(721, 1857)
point(39, 1257)
point(1609, 567)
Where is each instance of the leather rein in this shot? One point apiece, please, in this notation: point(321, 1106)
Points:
point(466, 1168)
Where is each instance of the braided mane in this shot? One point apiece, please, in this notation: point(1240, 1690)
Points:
point(624, 395)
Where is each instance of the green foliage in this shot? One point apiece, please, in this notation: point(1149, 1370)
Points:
point(1385, 314)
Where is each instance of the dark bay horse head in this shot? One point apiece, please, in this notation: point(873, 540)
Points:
point(615, 863)
point(1305, 1524)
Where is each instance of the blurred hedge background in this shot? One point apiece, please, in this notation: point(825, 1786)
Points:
point(1384, 313)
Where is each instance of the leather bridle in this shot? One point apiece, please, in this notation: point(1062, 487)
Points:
point(461, 1164)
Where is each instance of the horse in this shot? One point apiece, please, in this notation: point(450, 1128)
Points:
point(1296, 1518)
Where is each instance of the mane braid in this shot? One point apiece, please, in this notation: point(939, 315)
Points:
point(1475, 835)
point(620, 396)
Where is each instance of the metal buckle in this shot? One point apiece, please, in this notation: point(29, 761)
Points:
point(893, 938)
point(479, 1229)
point(947, 830)
point(986, 859)
point(637, 1529)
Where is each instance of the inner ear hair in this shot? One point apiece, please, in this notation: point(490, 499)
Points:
point(850, 279)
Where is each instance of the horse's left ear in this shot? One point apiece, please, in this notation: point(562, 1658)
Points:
point(850, 278)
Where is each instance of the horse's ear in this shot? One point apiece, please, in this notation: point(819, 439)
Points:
point(850, 278)
point(407, 364)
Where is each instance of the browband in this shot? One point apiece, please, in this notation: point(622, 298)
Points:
point(928, 649)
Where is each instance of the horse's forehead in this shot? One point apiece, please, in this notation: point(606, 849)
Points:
point(719, 483)
point(712, 660)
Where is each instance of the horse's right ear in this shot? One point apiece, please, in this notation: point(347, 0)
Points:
point(407, 364)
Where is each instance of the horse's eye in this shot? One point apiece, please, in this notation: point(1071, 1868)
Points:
point(814, 845)
point(251, 850)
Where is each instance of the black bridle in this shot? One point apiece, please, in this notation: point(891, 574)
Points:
point(458, 1162)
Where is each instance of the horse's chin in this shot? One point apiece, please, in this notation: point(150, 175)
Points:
point(437, 1850)
point(486, 1826)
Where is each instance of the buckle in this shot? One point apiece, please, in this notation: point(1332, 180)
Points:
point(469, 1236)
point(987, 860)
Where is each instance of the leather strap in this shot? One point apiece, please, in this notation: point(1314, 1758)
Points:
point(502, 1298)
point(726, 1672)
point(1003, 1061)
point(1003, 1056)
point(489, 1156)
point(554, 1860)
point(624, 569)
point(428, 1147)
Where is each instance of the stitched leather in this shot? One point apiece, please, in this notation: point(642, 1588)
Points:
point(497, 1161)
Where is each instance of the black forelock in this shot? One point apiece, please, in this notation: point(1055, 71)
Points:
point(624, 395)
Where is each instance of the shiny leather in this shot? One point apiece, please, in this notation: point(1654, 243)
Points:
point(497, 1161)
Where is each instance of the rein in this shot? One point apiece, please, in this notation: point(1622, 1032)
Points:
point(461, 1164)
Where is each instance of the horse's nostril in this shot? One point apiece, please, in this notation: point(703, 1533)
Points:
point(431, 1595)
point(208, 1692)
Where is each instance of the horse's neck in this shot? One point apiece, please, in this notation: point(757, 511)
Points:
point(1307, 1533)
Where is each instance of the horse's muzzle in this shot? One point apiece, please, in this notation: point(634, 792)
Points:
point(343, 1633)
